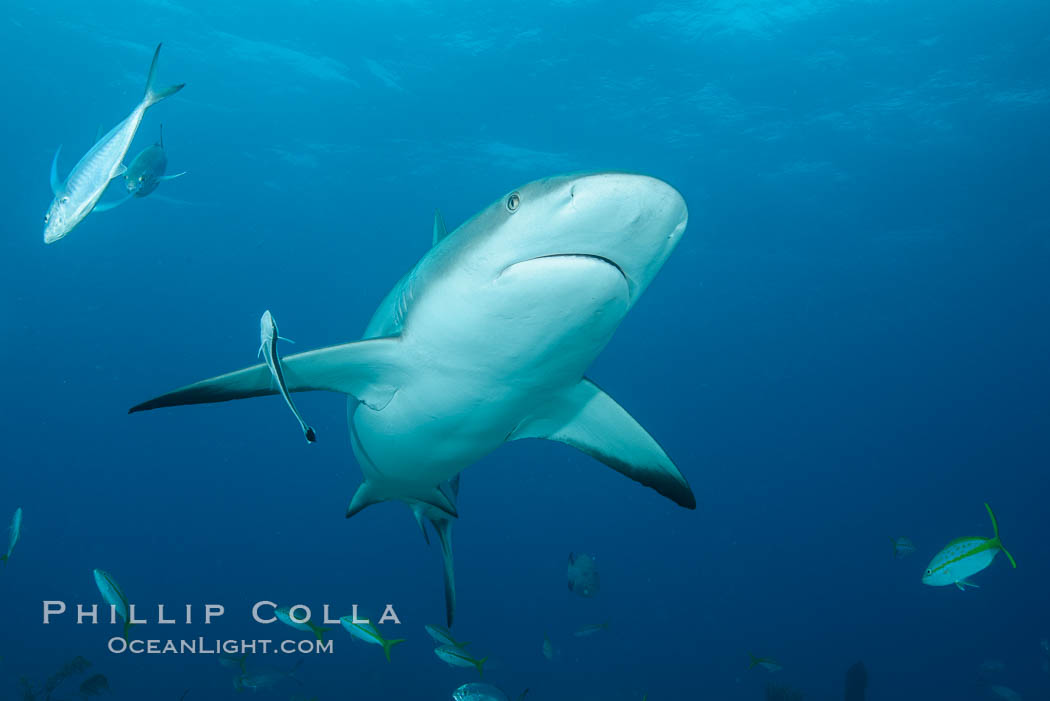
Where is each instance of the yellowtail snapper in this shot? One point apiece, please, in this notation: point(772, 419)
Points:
point(112, 595)
point(458, 657)
point(369, 634)
point(284, 615)
point(16, 533)
point(964, 557)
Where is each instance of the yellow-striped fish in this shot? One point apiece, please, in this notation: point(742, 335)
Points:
point(964, 557)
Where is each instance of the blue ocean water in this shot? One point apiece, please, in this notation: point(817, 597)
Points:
point(849, 344)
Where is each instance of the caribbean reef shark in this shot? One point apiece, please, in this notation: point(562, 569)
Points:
point(487, 339)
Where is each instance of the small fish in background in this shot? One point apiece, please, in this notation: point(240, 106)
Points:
point(856, 682)
point(443, 636)
point(591, 629)
point(368, 633)
point(989, 668)
point(94, 685)
point(79, 195)
point(458, 657)
point(284, 616)
point(265, 679)
point(548, 647)
point(268, 336)
point(583, 575)
point(902, 548)
point(146, 171)
point(73, 668)
point(766, 663)
point(1003, 693)
point(112, 595)
point(16, 533)
point(479, 691)
point(964, 557)
point(232, 662)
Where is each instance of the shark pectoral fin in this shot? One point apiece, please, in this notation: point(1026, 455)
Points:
point(439, 227)
point(444, 531)
point(368, 370)
point(106, 206)
point(589, 420)
point(172, 177)
point(56, 184)
point(120, 170)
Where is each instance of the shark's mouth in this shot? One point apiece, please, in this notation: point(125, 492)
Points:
point(590, 256)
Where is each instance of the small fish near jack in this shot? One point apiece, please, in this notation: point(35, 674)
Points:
point(902, 548)
point(766, 663)
point(146, 171)
point(79, 195)
point(268, 337)
point(964, 557)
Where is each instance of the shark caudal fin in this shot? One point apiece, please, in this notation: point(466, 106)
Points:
point(152, 95)
point(443, 526)
point(367, 370)
point(418, 513)
point(998, 541)
point(590, 420)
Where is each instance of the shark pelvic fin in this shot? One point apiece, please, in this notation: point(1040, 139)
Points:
point(590, 420)
point(439, 227)
point(367, 370)
point(417, 511)
point(435, 498)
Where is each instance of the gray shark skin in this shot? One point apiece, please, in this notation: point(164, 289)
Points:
point(79, 195)
point(487, 339)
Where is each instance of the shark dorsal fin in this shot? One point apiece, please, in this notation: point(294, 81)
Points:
point(439, 227)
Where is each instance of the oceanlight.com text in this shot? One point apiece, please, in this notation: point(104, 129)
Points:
point(203, 646)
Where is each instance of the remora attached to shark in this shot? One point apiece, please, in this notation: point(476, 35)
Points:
point(486, 340)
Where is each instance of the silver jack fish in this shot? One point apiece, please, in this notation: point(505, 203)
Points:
point(79, 195)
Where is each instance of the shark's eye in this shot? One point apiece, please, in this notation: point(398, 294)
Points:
point(513, 201)
point(65, 199)
point(141, 178)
